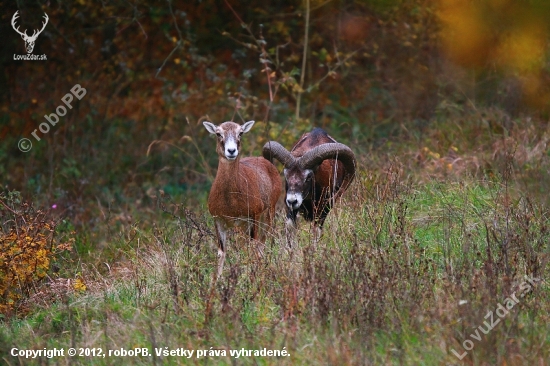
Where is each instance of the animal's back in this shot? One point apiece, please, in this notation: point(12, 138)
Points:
point(270, 184)
point(309, 140)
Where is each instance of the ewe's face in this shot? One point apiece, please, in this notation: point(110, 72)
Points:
point(298, 186)
point(229, 137)
point(229, 140)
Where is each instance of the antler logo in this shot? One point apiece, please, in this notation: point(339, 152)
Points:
point(29, 41)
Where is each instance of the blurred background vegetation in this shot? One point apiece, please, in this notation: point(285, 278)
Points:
point(370, 72)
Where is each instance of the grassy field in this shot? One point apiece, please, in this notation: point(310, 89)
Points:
point(430, 238)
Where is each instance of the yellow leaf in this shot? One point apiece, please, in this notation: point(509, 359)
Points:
point(79, 285)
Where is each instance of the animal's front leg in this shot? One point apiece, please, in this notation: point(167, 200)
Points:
point(319, 222)
point(290, 227)
point(221, 233)
point(254, 231)
point(317, 232)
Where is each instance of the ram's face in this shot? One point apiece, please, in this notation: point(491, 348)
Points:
point(298, 186)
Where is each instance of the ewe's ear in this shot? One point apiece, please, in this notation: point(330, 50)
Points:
point(210, 127)
point(247, 126)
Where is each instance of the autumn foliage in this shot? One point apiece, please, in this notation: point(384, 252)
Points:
point(27, 250)
point(363, 70)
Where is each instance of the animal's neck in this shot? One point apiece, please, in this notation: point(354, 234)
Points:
point(229, 170)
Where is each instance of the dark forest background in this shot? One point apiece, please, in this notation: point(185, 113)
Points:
point(153, 70)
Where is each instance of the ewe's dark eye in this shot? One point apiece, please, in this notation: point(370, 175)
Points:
point(219, 134)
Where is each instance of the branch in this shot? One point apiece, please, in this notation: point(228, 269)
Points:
point(178, 44)
point(304, 59)
point(9, 208)
point(236, 15)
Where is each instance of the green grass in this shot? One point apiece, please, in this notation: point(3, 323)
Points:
point(409, 264)
point(381, 291)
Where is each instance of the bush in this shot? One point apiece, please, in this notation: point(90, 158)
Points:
point(27, 250)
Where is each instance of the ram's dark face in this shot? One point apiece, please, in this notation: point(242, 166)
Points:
point(299, 184)
point(229, 137)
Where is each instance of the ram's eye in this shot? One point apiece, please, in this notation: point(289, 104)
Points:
point(219, 134)
point(240, 133)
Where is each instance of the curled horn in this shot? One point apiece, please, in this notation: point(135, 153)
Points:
point(340, 152)
point(273, 149)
